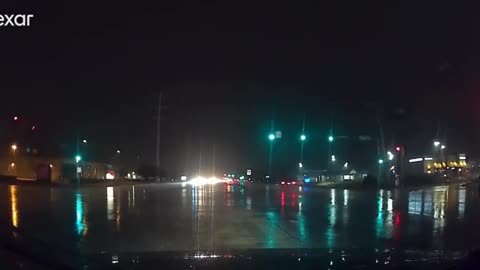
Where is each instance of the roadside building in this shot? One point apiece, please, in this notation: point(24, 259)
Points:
point(54, 170)
point(338, 175)
point(452, 166)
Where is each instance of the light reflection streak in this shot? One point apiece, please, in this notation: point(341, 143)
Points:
point(439, 204)
point(13, 202)
point(345, 197)
point(273, 220)
point(117, 211)
point(249, 203)
point(461, 202)
point(110, 201)
point(332, 219)
point(133, 196)
point(80, 219)
point(301, 226)
point(415, 202)
point(380, 225)
point(390, 205)
point(389, 218)
point(332, 196)
point(203, 217)
point(427, 201)
point(184, 195)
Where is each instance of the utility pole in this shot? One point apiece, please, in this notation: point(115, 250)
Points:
point(158, 131)
point(270, 150)
point(380, 148)
point(214, 156)
point(301, 140)
point(200, 163)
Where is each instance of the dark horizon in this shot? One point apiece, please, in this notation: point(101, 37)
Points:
point(226, 71)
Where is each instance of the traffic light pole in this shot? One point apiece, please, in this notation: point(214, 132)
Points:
point(270, 153)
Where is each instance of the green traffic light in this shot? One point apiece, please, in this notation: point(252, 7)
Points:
point(78, 158)
point(271, 137)
point(380, 161)
point(330, 138)
point(303, 137)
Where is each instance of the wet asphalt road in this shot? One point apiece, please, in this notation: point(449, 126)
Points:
point(165, 217)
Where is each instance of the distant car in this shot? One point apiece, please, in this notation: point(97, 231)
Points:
point(289, 182)
point(255, 180)
point(232, 181)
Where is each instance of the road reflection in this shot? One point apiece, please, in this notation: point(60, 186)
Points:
point(332, 220)
point(250, 216)
point(80, 217)
point(110, 204)
point(14, 207)
point(203, 216)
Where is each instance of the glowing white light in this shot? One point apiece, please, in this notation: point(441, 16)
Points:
point(462, 158)
point(436, 143)
point(415, 160)
point(443, 146)
point(428, 158)
point(183, 178)
point(200, 180)
point(300, 165)
point(109, 176)
point(390, 155)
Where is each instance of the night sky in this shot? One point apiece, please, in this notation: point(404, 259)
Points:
point(94, 70)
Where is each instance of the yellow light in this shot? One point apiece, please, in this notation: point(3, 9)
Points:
point(12, 164)
point(14, 147)
point(429, 167)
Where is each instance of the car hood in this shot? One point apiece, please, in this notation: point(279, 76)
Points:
point(284, 259)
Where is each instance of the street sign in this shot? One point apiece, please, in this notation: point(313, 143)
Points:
point(79, 169)
point(249, 172)
point(364, 138)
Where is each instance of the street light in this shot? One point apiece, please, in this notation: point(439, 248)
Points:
point(333, 158)
point(78, 158)
point(442, 147)
point(118, 151)
point(330, 138)
point(84, 141)
point(271, 138)
point(390, 155)
point(380, 161)
point(436, 143)
point(14, 147)
point(303, 137)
